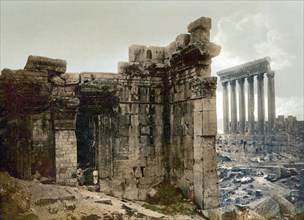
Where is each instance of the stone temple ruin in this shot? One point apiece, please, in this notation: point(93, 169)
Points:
point(257, 136)
point(239, 73)
point(155, 120)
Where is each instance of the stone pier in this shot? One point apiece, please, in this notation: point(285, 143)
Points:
point(250, 71)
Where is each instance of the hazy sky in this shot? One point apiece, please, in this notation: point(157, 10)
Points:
point(95, 35)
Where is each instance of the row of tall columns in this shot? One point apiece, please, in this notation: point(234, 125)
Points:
point(250, 107)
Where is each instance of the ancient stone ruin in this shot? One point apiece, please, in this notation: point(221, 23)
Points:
point(155, 120)
point(238, 74)
point(256, 135)
point(254, 154)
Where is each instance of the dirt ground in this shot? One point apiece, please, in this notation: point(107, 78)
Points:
point(33, 200)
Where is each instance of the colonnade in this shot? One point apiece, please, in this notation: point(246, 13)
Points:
point(237, 77)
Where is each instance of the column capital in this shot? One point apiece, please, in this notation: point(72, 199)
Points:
point(241, 81)
point(232, 83)
point(224, 84)
point(271, 74)
point(260, 76)
point(250, 79)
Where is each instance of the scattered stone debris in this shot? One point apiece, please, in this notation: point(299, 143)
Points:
point(104, 201)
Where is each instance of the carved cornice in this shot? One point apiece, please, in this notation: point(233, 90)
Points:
point(104, 85)
point(193, 55)
point(203, 88)
point(245, 70)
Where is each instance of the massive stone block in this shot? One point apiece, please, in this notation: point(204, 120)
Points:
point(44, 63)
point(200, 30)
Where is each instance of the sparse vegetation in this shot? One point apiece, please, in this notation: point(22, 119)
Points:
point(169, 200)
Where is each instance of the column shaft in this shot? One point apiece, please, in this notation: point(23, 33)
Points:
point(233, 108)
point(250, 108)
point(271, 102)
point(225, 108)
point(242, 113)
point(261, 104)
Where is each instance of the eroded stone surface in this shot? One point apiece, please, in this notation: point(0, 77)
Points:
point(44, 63)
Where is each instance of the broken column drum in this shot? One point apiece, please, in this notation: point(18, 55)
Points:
point(249, 71)
point(154, 120)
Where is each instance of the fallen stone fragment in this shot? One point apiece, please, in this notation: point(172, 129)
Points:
point(258, 193)
point(152, 192)
point(251, 215)
point(268, 208)
point(53, 208)
point(105, 201)
point(45, 201)
point(70, 206)
point(285, 206)
point(214, 214)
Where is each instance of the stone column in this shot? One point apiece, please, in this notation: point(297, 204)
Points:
point(271, 101)
point(242, 113)
point(233, 108)
point(250, 81)
point(225, 107)
point(261, 104)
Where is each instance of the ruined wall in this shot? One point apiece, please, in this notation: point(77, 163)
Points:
point(64, 108)
point(193, 113)
point(38, 111)
point(25, 102)
point(128, 136)
point(154, 120)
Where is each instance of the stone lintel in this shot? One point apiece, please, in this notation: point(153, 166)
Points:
point(201, 23)
point(245, 70)
point(45, 63)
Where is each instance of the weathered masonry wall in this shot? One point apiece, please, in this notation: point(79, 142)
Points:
point(154, 120)
point(27, 140)
point(193, 115)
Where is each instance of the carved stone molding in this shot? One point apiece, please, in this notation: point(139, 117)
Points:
point(204, 88)
point(111, 86)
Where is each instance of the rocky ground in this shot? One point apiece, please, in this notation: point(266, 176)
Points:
point(263, 183)
point(33, 200)
point(262, 187)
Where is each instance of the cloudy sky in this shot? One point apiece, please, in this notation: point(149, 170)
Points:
point(95, 35)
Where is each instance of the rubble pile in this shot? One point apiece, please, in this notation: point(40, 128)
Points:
point(269, 183)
